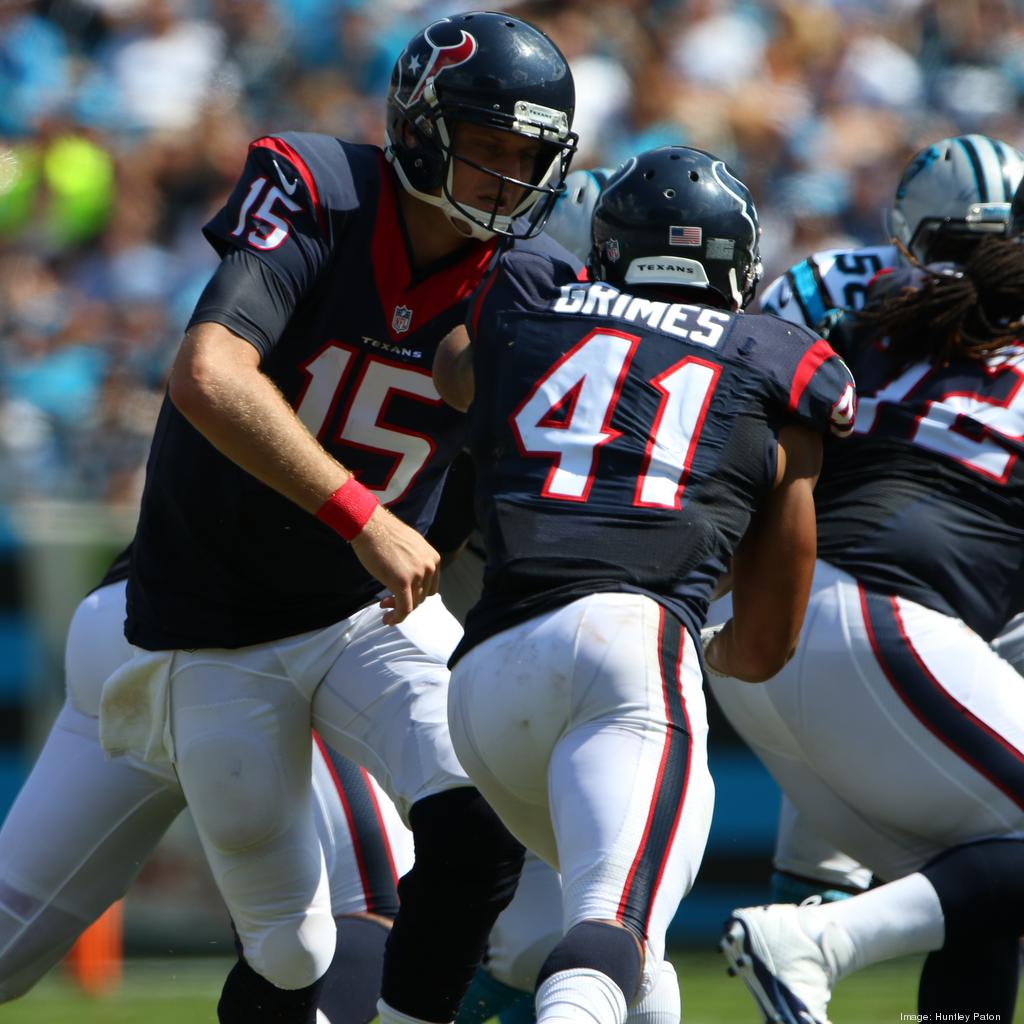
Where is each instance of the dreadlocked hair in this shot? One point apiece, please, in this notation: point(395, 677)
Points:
point(971, 314)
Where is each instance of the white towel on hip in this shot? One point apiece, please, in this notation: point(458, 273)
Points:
point(134, 709)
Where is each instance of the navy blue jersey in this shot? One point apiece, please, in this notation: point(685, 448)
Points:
point(221, 560)
point(621, 443)
point(925, 499)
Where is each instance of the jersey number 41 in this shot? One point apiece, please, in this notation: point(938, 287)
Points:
point(567, 417)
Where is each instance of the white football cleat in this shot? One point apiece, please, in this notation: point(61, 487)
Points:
point(785, 970)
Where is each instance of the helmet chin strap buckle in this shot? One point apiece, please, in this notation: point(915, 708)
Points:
point(905, 252)
point(737, 295)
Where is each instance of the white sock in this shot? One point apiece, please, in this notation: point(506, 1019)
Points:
point(580, 994)
point(389, 1015)
point(902, 917)
point(661, 1005)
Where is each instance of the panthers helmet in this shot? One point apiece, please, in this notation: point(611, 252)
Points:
point(569, 223)
point(492, 70)
point(678, 216)
point(953, 193)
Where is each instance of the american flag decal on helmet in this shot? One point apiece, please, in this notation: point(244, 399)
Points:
point(678, 235)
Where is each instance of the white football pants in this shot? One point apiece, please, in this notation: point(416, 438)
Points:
point(895, 731)
point(83, 825)
point(111, 813)
point(585, 728)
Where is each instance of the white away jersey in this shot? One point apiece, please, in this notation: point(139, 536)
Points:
point(833, 279)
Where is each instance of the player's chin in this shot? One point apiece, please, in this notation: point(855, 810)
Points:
point(488, 207)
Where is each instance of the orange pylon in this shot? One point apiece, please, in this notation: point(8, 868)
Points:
point(96, 959)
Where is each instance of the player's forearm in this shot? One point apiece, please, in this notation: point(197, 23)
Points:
point(242, 414)
point(772, 570)
point(751, 655)
point(771, 586)
point(453, 370)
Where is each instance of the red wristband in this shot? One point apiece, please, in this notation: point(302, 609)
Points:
point(348, 509)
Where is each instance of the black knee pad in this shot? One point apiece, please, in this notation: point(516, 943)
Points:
point(352, 982)
point(248, 998)
point(981, 888)
point(458, 835)
point(466, 870)
point(594, 946)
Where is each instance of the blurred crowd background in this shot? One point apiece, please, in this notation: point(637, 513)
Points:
point(124, 123)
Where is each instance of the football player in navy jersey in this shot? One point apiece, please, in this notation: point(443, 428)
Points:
point(950, 194)
point(111, 813)
point(629, 436)
point(525, 933)
point(278, 579)
point(896, 730)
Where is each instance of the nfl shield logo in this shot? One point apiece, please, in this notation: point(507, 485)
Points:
point(611, 250)
point(401, 320)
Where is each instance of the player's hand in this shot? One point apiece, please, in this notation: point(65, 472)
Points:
point(707, 638)
point(401, 559)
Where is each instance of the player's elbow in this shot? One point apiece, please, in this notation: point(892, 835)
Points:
point(759, 654)
point(762, 664)
point(447, 386)
point(193, 385)
point(453, 370)
point(208, 366)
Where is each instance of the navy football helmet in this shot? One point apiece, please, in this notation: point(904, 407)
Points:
point(954, 192)
point(492, 70)
point(677, 216)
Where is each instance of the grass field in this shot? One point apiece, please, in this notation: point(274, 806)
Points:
point(172, 991)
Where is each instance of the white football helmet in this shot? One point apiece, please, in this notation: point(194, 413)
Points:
point(569, 223)
point(957, 188)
